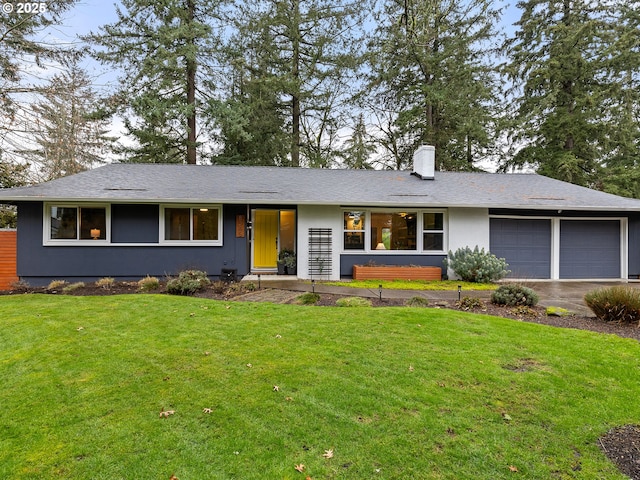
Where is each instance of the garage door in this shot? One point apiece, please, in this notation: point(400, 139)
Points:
point(590, 249)
point(524, 243)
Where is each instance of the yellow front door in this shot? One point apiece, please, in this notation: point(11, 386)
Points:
point(265, 238)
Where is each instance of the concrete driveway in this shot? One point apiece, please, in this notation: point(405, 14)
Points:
point(570, 295)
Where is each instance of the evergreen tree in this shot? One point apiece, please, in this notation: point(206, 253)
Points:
point(359, 148)
point(165, 49)
point(69, 139)
point(431, 81)
point(20, 48)
point(252, 118)
point(23, 57)
point(574, 67)
point(620, 172)
point(309, 55)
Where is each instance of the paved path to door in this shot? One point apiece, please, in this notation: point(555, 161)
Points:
point(565, 294)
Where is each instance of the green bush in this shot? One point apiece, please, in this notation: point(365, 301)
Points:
point(514, 295)
point(476, 265)
point(353, 302)
point(615, 304)
point(308, 298)
point(188, 282)
point(417, 302)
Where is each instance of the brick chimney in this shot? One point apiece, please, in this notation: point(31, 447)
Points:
point(424, 162)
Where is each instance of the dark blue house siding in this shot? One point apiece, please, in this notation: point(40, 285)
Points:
point(134, 223)
point(347, 261)
point(38, 264)
point(634, 245)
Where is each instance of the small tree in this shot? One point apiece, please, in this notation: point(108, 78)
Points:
point(476, 265)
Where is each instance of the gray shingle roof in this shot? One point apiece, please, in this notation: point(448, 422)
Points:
point(133, 183)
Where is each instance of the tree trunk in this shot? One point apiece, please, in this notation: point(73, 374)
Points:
point(191, 94)
point(295, 96)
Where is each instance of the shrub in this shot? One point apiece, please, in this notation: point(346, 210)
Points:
point(523, 311)
point(55, 284)
point(615, 304)
point(353, 302)
point(514, 295)
point(417, 302)
point(308, 298)
point(219, 287)
point(148, 283)
point(188, 282)
point(72, 287)
point(476, 265)
point(470, 303)
point(105, 283)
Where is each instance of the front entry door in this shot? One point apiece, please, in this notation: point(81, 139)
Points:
point(265, 239)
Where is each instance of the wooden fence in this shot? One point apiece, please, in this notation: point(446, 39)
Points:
point(8, 254)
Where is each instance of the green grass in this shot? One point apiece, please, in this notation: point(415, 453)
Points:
point(397, 393)
point(414, 284)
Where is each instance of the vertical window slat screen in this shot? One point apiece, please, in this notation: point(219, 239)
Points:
point(320, 252)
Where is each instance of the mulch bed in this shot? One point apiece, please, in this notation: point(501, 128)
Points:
point(621, 444)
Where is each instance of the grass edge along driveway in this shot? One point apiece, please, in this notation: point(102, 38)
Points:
point(147, 386)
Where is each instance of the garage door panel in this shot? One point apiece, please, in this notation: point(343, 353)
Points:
point(589, 249)
point(524, 243)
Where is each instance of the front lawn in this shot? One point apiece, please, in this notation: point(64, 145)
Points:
point(148, 386)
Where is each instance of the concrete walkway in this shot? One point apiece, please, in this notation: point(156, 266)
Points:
point(565, 294)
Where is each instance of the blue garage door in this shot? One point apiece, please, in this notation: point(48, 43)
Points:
point(524, 243)
point(590, 249)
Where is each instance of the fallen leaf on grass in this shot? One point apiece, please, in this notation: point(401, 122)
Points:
point(206, 410)
point(166, 413)
point(411, 368)
point(512, 468)
point(192, 314)
point(299, 467)
point(207, 353)
point(80, 329)
point(249, 365)
point(227, 307)
point(506, 417)
point(173, 477)
point(276, 388)
point(328, 453)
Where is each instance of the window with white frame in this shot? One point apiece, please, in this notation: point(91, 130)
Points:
point(354, 230)
point(382, 231)
point(433, 232)
point(191, 224)
point(71, 223)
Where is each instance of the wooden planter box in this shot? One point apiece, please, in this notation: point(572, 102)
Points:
point(8, 251)
point(396, 272)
